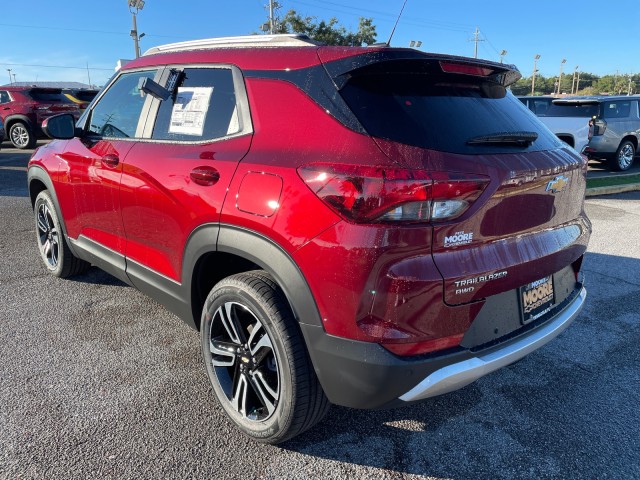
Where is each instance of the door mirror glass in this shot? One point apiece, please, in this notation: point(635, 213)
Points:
point(61, 126)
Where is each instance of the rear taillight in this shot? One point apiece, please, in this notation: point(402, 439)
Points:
point(41, 107)
point(362, 194)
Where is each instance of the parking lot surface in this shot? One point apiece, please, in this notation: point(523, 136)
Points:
point(98, 381)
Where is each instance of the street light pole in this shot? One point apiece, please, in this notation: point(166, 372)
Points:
point(564, 60)
point(535, 69)
point(134, 7)
point(10, 81)
point(502, 54)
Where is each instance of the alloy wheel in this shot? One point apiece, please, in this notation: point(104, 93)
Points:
point(244, 362)
point(48, 236)
point(19, 136)
point(625, 156)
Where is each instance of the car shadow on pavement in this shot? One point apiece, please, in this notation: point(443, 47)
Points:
point(96, 276)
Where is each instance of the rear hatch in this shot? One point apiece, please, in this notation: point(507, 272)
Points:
point(570, 117)
point(51, 101)
point(507, 195)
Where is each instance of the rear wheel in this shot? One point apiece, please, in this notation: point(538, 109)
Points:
point(257, 360)
point(623, 158)
point(53, 247)
point(21, 136)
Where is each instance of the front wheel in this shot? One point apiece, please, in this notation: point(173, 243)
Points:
point(623, 158)
point(21, 136)
point(257, 361)
point(52, 245)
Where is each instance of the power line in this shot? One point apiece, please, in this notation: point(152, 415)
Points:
point(389, 16)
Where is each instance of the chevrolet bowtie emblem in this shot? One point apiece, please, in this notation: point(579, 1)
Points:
point(557, 184)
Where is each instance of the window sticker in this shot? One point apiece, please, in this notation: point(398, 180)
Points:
point(190, 110)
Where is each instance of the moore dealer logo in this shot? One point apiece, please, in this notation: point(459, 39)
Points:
point(458, 238)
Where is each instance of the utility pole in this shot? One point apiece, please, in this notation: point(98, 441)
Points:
point(134, 7)
point(535, 69)
point(578, 83)
point(88, 75)
point(573, 80)
point(271, 20)
point(629, 89)
point(476, 39)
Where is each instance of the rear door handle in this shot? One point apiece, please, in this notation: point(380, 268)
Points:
point(110, 160)
point(205, 176)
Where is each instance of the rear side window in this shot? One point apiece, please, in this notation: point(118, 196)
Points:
point(440, 111)
point(539, 107)
point(203, 107)
point(47, 96)
point(619, 109)
point(4, 97)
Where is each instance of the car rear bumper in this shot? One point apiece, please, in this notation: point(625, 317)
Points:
point(457, 375)
point(364, 375)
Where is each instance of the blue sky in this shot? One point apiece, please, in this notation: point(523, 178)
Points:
point(56, 40)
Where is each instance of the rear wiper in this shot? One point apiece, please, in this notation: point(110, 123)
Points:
point(519, 139)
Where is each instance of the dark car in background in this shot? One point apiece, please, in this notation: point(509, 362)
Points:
point(368, 227)
point(1, 131)
point(23, 109)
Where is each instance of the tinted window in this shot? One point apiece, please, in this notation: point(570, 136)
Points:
point(4, 97)
point(118, 111)
point(572, 110)
point(86, 95)
point(202, 108)
point(440, 111)
point(619, 109)
point(540, 107)
point(47, 96)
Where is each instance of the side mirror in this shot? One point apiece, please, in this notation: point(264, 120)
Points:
point(62, 126)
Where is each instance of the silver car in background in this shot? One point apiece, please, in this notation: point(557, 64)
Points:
point(615, 132)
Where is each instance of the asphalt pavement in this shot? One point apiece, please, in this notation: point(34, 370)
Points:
point(98, 381)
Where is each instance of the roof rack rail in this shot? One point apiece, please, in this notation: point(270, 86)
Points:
point(284, 40)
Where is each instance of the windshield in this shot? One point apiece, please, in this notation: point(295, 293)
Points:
point(441, 111)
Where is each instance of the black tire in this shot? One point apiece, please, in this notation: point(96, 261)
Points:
point(257, 361)
point(52, 245)
point(623, 159)
point(22, 136)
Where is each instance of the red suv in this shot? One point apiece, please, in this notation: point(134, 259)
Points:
point(368, 227)
point(22, 109)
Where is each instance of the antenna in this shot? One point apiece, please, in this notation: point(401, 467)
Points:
point(394, 27)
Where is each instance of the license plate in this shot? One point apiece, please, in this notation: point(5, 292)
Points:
point(536, 298)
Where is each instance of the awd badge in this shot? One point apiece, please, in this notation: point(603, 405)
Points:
point(557, 184)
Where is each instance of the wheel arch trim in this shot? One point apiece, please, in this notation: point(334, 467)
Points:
point(260, 250)
point(37, 173)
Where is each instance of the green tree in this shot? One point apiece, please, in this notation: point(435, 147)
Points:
point(329, 32)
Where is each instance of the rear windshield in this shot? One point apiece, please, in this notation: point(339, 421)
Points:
point(85, 95)
point(48, 96)
point(440, 111)
point(572, 110)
